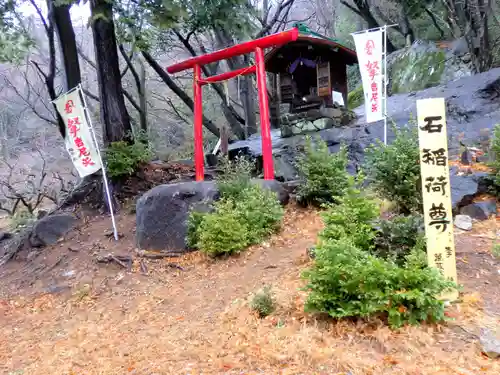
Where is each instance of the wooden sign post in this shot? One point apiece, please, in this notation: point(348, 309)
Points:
point(436, 190)
point(324, 79)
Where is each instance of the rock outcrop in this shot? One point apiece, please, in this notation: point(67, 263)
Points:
point(162, 212)
point(314, 120)
point(49, 229)
point(424, 65)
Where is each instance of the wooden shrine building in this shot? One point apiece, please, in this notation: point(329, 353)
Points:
point(310, 72)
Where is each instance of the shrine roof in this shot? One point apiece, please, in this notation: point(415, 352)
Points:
point(309, 45)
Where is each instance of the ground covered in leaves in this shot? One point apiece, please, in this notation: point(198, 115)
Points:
point(64, 313)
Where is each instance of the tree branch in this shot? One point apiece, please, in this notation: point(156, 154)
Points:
point(177, 90)
point(281, 7)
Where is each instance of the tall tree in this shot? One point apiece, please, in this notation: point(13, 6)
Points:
point(61, 19)
point(469, 18)
point(114, 115)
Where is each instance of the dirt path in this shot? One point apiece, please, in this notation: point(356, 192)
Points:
point(106, 321)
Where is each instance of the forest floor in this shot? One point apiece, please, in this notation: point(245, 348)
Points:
point(63, 313)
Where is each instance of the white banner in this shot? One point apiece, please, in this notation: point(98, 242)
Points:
point(369, 48)
point(78, 140)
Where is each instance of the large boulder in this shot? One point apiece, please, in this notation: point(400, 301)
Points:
point(162, 213)
point(275, 186)
point(50, 229)
point(424, 65)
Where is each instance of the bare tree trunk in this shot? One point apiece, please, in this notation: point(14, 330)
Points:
point(470, 17)
point(362, 8)
point(143, 98)
point(481, 58)
point(114, 115)
point(247, 93)
point(67, 43)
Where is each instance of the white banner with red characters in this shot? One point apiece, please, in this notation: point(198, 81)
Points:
point(369, 48)
point(78, 140)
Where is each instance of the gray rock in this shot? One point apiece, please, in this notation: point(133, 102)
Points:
point(162, 213)
point(463, 189)
point(490, 343)
point(463, 222)
point(19, 242)
point(5, 236)
point(49, 229)
point(466, 157)
point(480, 210)
point(423, 65)
point(275, 186)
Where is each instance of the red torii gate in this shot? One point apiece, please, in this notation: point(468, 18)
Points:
point(257, 46)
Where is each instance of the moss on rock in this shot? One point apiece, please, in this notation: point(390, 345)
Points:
point(355, 98)
point(422, 66)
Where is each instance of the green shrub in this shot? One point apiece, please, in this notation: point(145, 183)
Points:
point(21, 219)
point(349, 278)
point(123, 159)
point(260, 210)
point(235, 224)
point(398, 236)
point(355, 97)
point(263, 302)
point(394, 171)
point(496, 250)
point(495, 151)
point(234, 176)
point(352, 218)
point(193, 224)
point(324, 176)
point(347, 281)
point(222, 232)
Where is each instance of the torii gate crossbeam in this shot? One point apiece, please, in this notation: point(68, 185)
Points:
point(256, 46)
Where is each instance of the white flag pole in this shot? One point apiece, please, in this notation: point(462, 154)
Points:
point(104, 177)
point(385, 83)
point(385, 80)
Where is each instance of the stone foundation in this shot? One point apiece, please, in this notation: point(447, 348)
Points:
point(315, 120)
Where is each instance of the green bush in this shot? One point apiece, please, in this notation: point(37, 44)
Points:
point(495, 151)
point(496, 250)
point(352, 218)
point(222, 232)
point(324, 176)
point(394, 171)
point(235, 224)
point(234, 176)
point(123, 159)
point(263, 302)
point(346, 281)
point(193, 224)
point(355, 97)
point(349, 280)
point(21, 219)
point(397, 237)
point(261, 211)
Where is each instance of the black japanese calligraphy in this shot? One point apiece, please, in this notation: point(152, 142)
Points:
point(449, 252)
point(438, 260)
point(436, 185)
point(434, 157)
point(439, 217)
point(430, 126)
